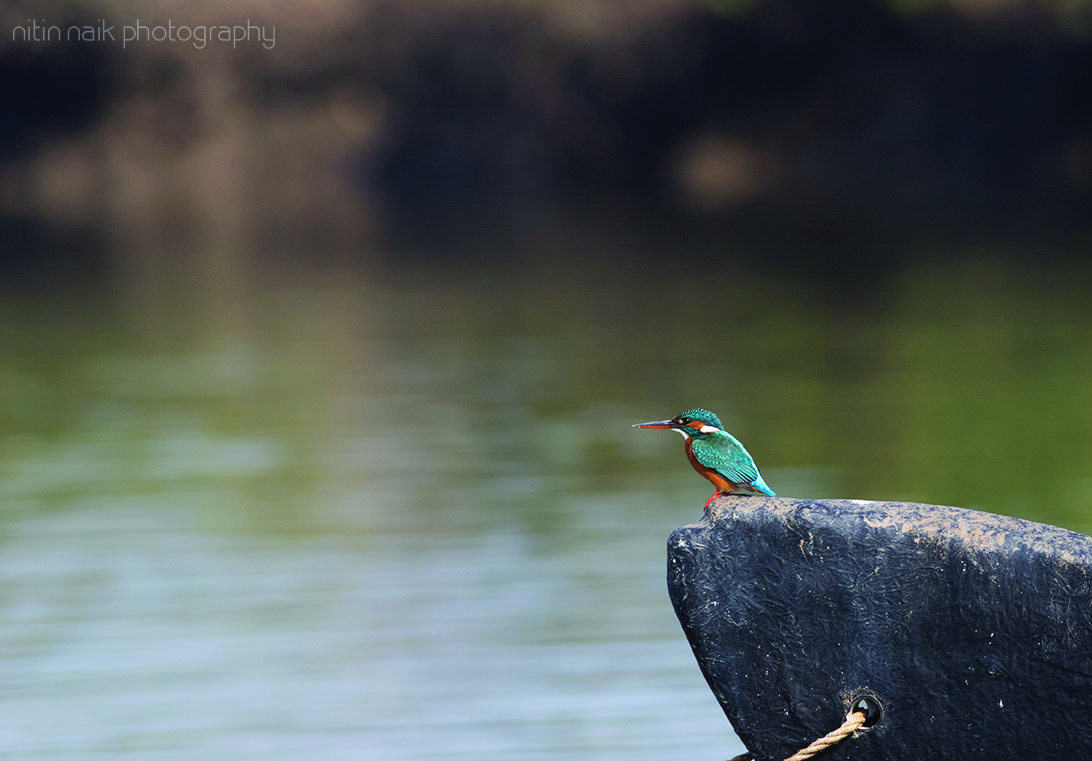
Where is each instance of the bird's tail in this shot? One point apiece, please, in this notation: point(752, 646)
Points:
point(759, 486)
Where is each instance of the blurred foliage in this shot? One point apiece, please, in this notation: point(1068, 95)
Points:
point(373, 119)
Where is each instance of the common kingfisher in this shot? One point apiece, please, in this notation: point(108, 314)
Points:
point(715, 454)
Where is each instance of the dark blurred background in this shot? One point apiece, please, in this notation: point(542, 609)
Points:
point(318, 359)
point(404, 120)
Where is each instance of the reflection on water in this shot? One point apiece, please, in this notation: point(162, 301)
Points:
point(366, 515)
point(134, 629)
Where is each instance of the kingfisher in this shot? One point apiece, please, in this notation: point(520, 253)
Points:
point(715, 454)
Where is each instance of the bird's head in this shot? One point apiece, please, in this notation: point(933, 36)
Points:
point(694, 422)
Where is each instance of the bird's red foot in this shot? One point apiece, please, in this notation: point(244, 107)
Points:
point(715, 495)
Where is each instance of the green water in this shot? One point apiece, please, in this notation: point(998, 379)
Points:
point(353, 509)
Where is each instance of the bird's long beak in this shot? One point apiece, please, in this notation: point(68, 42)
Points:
point(656, 424)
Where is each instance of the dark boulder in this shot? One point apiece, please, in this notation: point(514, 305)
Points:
point(971, 631)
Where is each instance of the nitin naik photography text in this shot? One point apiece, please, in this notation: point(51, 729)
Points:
point(141, 32)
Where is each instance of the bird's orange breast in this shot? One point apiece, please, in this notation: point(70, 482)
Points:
point(720, 483)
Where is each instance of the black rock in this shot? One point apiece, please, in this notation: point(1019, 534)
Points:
point(972, 632)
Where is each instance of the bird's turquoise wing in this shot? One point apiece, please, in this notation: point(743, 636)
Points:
point(723, 453)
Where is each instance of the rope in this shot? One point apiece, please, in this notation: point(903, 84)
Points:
point(854, 720)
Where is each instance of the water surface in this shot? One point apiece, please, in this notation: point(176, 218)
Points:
point(368, 511)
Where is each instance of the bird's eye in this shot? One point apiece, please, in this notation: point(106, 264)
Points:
point(683, 421)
